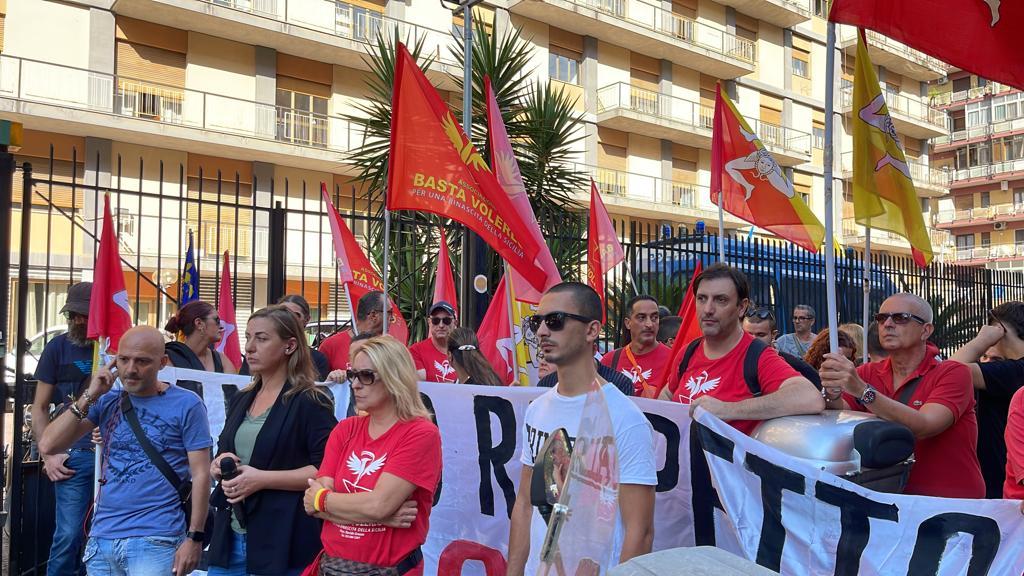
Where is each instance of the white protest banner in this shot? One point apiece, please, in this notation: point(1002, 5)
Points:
point(795, 519)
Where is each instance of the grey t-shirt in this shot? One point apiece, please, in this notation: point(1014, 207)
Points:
point(790, 344)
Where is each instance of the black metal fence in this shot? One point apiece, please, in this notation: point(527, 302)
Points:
point(279, 242)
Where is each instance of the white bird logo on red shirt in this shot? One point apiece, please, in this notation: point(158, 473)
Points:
point(631, 373)
point(444, 369)
point(700, 384)
point(363, 464)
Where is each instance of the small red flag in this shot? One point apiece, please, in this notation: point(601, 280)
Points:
point(982, 36)
point(495, 335)
point(603, 249)
point(228, 344)
point(434, 168)
point(444, 281)
point(109, 313)
point(689, 328)
point(355, 271)
point(506, 169)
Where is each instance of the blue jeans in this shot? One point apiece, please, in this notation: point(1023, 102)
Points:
point(137, 556)
point(236, 565)
point(73, 497)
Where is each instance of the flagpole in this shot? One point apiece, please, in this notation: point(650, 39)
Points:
point(512, 325)
point(351, 312)
point(97, 461)
point(387, 262)
point(867, 290)
point(830, 253)
point(721, 229)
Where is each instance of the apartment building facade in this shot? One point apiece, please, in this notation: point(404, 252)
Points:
point(160, 96)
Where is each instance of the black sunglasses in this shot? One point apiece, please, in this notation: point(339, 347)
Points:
point(762, 313)
point(365, 377)
point(555, 321)
point(446, 320)
point(899, 318)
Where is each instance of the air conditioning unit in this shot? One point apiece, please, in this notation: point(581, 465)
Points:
point(999, 226)
point(943, 80)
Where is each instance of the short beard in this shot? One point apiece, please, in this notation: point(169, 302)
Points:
point(76, 334)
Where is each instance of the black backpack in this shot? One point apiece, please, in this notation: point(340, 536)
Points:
point(749, 363)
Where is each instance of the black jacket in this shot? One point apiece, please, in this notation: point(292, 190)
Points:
point(280, 536)
point(181, 356)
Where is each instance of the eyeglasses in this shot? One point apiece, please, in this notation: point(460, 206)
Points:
point(214, 319)
point(899, 318)
point(446, 320)
point(365, 377)
point(762, 313)
point(800, 318)
point(555, 321)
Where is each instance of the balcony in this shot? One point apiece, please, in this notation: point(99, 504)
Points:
point(321, 30)
point(648, 29)
point(790, 147)
point(961, 97)
point(979, 216)
point(986, 254)
point(631, 109)
point(854, 235)
point(82, 102)
point(912, 116)
point(895, 56)
point(781, 13)
point(928, 182)
point(996, 171)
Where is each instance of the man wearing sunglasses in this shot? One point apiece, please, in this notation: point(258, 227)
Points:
point(567, 326)
point(760, 323)
point(431, 354)
point(714, 371)
point(643, 360)
point(803, 334)
point(369, 319)
point(912, 387)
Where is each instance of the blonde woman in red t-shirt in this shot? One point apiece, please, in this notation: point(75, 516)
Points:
point(376, 484)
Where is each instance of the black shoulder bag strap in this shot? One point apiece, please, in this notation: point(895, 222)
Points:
point(757, 347)
point(691, 348)
point(907, 391)
point(183, 488)
point(615, 358)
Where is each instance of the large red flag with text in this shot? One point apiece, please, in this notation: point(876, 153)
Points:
point(982, 36)
point(751, 184)
point(355, 271)
point(689, 328)
point(497, 343)
point(506, 169)
point(444, 281)
point(109, 313)
point(604, 251)
point(228, 344)
point(433, 167)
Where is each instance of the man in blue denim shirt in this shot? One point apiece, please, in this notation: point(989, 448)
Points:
point(63, 373)
point(139, 526)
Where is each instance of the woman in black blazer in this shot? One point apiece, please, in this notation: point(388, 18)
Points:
point(275, 434)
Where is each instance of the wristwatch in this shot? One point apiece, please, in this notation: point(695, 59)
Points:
point(869, 395)
point(195, 536)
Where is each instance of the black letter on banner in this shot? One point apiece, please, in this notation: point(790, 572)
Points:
point(774, 479)
point(433, 418)
point(668, 476)
point(229, 394)
point(705, 497)
point(854, 511)
point(483, 407)
point(935, 532)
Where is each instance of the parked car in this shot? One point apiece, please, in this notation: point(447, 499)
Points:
point(35, 350)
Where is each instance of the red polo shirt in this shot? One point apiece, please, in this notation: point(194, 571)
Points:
point(1012, 488)
point(335, 347)
point(947, 463)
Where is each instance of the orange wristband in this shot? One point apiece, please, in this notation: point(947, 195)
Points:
point(320, 499)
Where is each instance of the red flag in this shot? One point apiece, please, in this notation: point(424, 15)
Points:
point(979, 36)
point(689, 328)
point(444, 281)
point(226, 310)
point(434, 168)
point(751, 183)
point(506, 169)
point(355, 271)
point(495, 335)
point(603, 249)
point(109, 313)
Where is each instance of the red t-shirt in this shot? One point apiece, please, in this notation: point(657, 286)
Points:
point(946, 464)
point(1015, 448)
point(650, 368)
point(410, 450)
point(427, 357)
point(723, 378)
point(335, 347)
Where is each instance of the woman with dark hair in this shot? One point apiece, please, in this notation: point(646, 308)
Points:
point(470, 365)
point(197, 330)
point(298, 306)
point(820, 346)
point(275, 435)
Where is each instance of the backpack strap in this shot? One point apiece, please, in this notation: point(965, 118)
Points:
point(691, 348)
point(616, 356)
point(907, 391)
point(750, 361)
point(128, 410)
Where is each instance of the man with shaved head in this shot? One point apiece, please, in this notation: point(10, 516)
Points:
point(934, 399)
point(139, 523)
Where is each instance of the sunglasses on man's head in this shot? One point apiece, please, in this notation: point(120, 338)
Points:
point(365, 377)
point(555, 321)
point(762, 313)
point(899, 318)
point(446, 320)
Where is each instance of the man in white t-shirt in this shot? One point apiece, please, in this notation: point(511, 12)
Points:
point(567, 325)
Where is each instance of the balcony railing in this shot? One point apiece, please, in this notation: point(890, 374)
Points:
point(781, 136)
point(921, 173)
point(624, 96)
point(948, 98)
point(990, 252)
point(970, 215)
point(68, 87)
point(890, 45)
point(916, 108)
point(994, 170)
point(854, 231)
point(646, 188)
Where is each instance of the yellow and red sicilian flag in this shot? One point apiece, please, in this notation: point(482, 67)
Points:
point(603, 249)
point(433, 167)
point(506, 169)
point(109, 313)
point(495, 334)
point(355, 271)
point(689, 330)
point(228, 344)
point(444, 281)
point(752, 185)
point(883, 191)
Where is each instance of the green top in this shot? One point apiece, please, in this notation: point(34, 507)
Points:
point(245, 443)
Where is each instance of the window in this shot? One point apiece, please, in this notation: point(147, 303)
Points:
point(564, 65)
point(1007, 107)
point(1018, 237)
point(818, 136)
point(926, 205)
point(125, 223)
point(986, 239)
point(986, 200)
point(801, 62)
point(301, 118)
point(821, 8)
point(964, 241)
point(977, 114)
point(1018, 198)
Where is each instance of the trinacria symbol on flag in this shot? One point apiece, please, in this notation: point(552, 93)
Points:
point(466, 150)
point(764, 166)
point(877, 115)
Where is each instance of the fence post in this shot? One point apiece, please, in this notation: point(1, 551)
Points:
point(275, 258)
point(6, 188)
